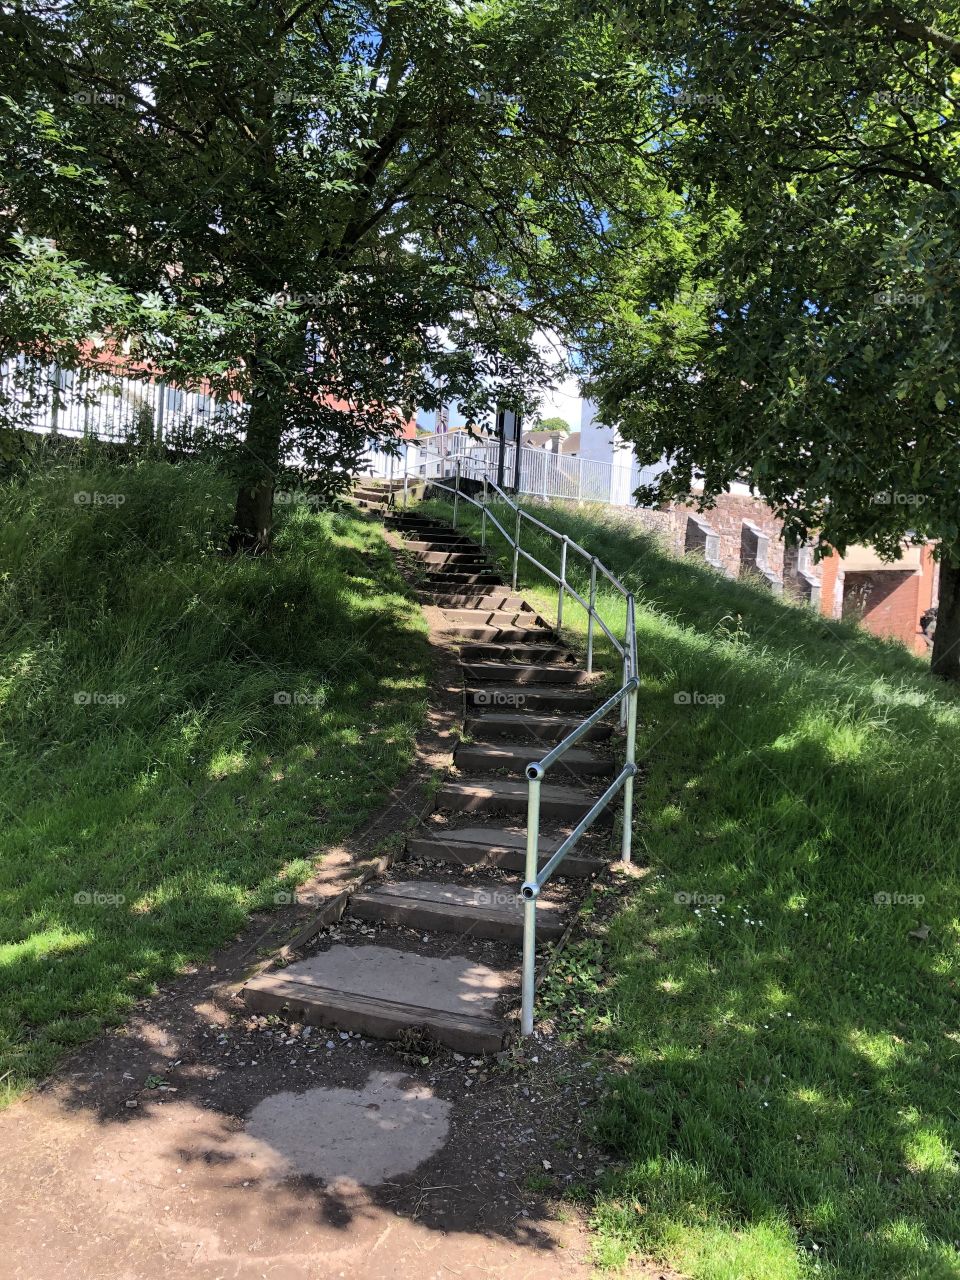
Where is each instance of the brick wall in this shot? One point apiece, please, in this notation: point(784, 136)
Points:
point(831, 585)
point(669, 525)
point(684, 530)
point(884, 601)
point(728, 516)
point(889, 602)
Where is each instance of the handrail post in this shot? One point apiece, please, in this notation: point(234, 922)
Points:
point(628, 648)
point(631, 758)
point(631, 732)
point(516, 551)
point(563, 580)
point(632, 613)
point(530, 891)
point(406, 463)
point(456, 491)
point(591, 611)
point(483, 527)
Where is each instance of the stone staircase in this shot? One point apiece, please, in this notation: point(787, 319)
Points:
point(433, 948)
point(375, 495)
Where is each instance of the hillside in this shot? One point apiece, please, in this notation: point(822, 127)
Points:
point(181, 734)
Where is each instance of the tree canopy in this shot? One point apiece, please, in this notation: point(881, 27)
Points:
point(796, 327)
point(741, 214)
point(376, 204)
point(554, 424)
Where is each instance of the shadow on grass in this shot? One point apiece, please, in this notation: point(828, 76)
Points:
point(781, 989)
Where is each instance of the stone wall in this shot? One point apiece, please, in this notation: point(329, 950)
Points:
point(740, 535)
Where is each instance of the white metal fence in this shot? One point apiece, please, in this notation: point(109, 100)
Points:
point(91, 402)
point(49, 399)
point(542, 474)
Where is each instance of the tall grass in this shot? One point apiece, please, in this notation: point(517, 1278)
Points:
point(181, 734)
point(780, 990)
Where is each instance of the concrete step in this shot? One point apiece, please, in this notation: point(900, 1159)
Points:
point(373, 491)
point(547, 730)
point(436, 539)
point(450, 559)
point(489, 600)
point(501, 847)
point(495, 592)
point(454, 576)
point(464, 577)
point(513, 757)
point(487, 618)
point(481, 911)
point(503, 633)
point(526, 673)
point(436, 544)
point(383, 992)
point(458, 584)
point(557, 800)
point(368, 481)
point(531, 697)
point(405, 520)
point(513, 653)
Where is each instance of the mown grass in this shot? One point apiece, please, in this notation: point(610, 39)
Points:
point(786, 1097)
point(181, 734)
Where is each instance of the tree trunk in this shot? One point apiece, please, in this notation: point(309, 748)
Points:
point(946, 640)
point(253, 514)
point(253, 518)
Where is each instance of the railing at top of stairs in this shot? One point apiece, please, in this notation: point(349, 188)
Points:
point(541, 473)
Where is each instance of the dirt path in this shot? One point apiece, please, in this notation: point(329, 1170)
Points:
point(177, 1146)
point(182, 1184)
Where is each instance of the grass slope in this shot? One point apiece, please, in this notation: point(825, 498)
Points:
point(180, 734)
point(787, 1098)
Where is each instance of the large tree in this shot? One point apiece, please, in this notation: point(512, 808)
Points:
point(800, 329)
point(368, 202)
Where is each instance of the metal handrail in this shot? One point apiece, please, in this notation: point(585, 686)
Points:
point(567, 544)
point(625, 699)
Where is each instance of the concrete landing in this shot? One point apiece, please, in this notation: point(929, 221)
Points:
point(383, 992)
point(348, 1137)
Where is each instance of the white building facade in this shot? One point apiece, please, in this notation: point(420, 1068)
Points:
point(600, 443)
